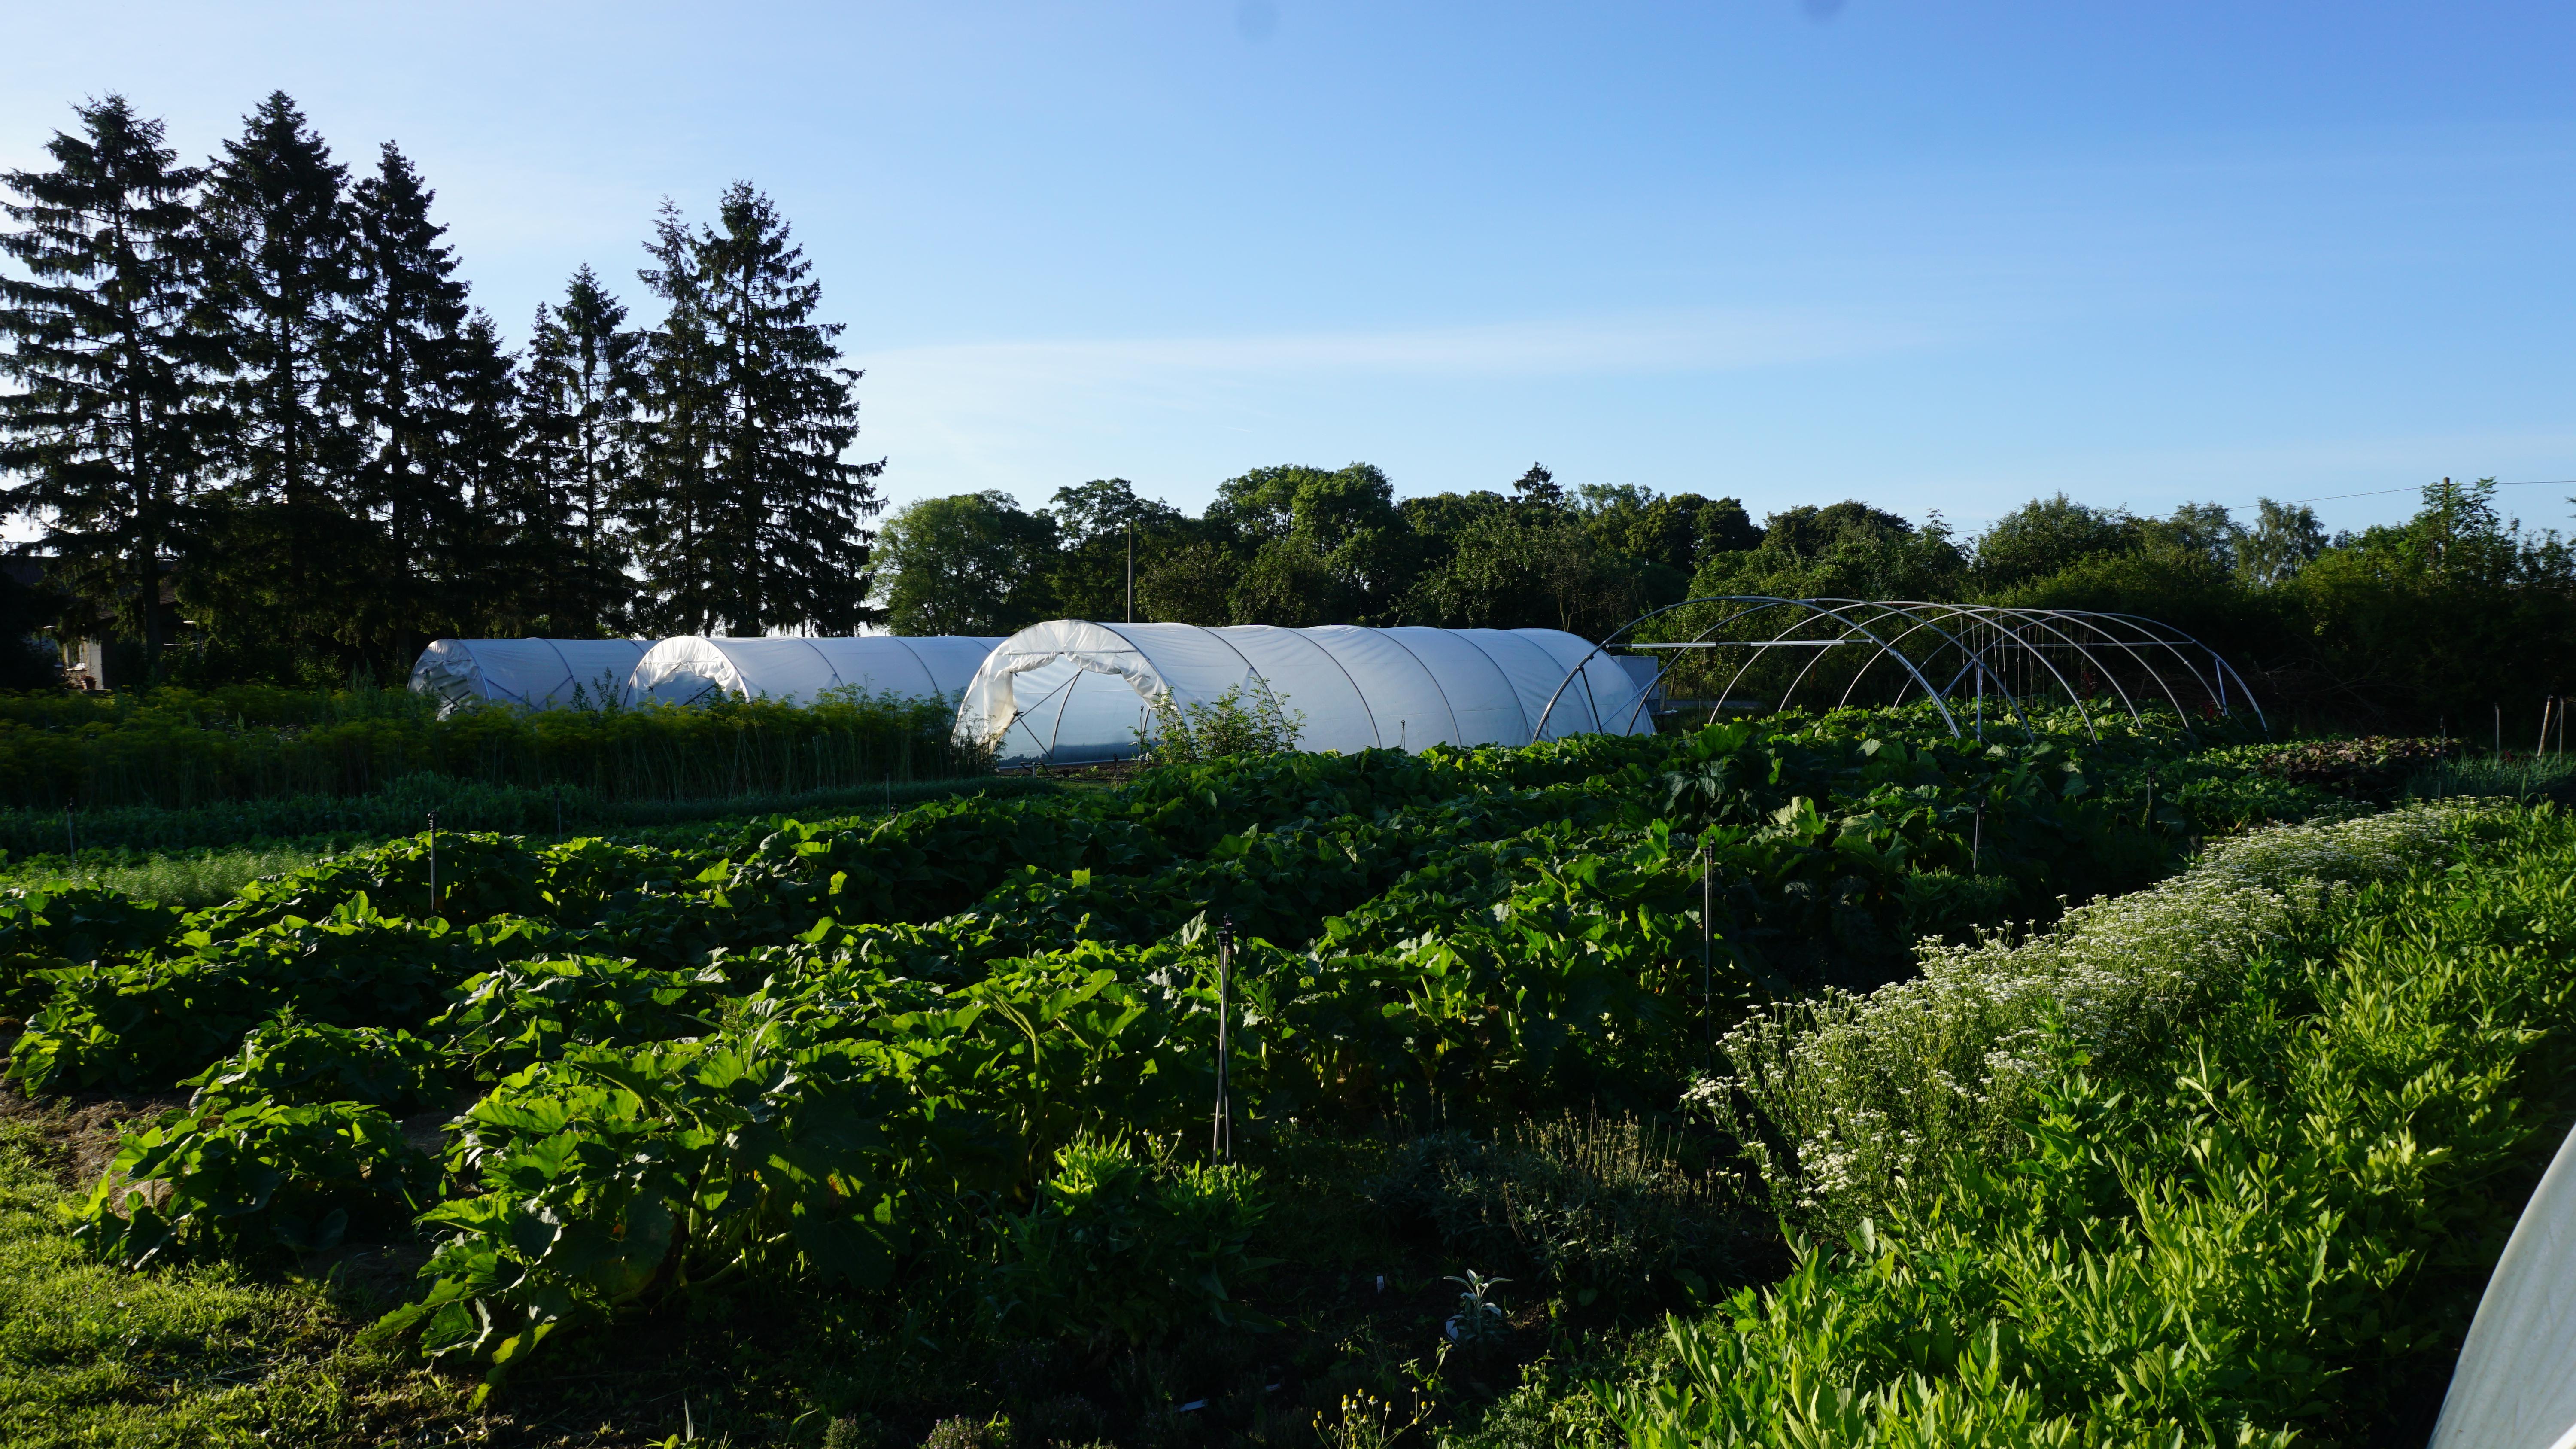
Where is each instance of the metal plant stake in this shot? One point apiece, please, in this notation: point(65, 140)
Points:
point(1707, 939)
point(1221, 1130)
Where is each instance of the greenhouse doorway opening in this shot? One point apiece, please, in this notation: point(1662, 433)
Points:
point(1074, 692)
point(797, 669)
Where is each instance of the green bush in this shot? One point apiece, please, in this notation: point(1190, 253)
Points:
point(257, 1177)
point(1233, 725)
point(295, 1063)
point(116, 843)
point(1120, 1248)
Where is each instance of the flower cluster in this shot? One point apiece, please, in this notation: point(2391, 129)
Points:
point(1837, 1100)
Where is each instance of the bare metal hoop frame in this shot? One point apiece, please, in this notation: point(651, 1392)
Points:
point(2007, 653)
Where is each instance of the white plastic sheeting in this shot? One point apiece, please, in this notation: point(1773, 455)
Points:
point(1073, 692)
point(532, 673)
point(2515, 1386)
point(695, 667)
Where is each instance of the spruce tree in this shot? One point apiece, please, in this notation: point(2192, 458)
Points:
point(293, 548)
point(584, 379)
point(493, 554)
point(670, 511)
point(752, 517)
point(403, 371)
point(103, 427)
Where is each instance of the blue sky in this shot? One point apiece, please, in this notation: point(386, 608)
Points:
point(1932, 256)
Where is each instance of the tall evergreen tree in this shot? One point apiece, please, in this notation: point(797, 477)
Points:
point(670, 512)
point(293, 547)
point(103, 428)
point(752, 517)
point(584, 379)
point(404, 370)
point(498, 547)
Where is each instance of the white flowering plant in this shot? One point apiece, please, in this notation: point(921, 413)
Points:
point(1838, 1100)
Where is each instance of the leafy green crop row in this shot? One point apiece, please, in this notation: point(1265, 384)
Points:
point(174, 748)
point(832, 1055)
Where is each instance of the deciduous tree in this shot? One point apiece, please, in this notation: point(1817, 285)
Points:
point(972, 564)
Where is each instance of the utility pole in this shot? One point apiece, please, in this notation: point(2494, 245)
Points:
point(1131, 571)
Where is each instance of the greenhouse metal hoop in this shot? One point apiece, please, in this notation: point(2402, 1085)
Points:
point(2092, 634)
point(1814, 607)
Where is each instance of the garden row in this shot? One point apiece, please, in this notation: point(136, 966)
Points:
point(173, 748)
point(954, 1043)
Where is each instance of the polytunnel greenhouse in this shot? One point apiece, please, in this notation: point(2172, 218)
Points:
point(696, 667)
point(1073, 692)
point(531, 673)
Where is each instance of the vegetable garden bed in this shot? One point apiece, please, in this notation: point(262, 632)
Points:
point(831, 1133)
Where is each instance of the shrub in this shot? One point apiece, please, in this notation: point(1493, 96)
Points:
point(1231, 725)
point(261, 1176)
point(1120, 1248)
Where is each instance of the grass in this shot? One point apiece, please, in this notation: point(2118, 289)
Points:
point(93, 1356)
point(201, 856)
point(189, 878)
point(2508, 776)
point(402, 808)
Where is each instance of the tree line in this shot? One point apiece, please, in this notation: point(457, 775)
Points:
point(258, 384)
point(259, 387)
point(2430, 623)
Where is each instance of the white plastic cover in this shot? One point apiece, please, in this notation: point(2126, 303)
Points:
point(695, 667)
point(2515, 1386)
point(1075, 692)
point(531, 673)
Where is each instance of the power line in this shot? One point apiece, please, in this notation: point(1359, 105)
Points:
point(2383, 492)
point(2339, 497)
